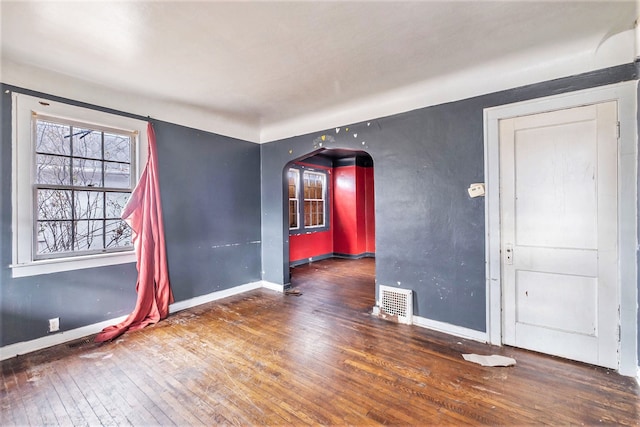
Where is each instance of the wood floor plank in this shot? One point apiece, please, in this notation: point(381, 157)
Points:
point(36, 405)
point(76, 374)
point(92, 411)
point(179, 403)
point(70, 402)
point(107, 385)
point(321, 358)
point(11, 410)
point(147, 386)
point(256, 380)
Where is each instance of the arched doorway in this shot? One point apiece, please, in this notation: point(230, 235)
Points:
point(330, 206)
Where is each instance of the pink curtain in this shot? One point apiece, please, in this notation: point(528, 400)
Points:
point(143, 213)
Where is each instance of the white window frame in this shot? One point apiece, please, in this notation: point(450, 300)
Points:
point(24, 107)
point(296, 198)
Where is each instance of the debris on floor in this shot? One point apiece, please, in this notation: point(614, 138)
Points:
point(389, 316)
point(492, 360)
point(96, 355)
point(294, 292)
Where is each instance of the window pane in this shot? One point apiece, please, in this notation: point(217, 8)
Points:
point(307, 213)
point(87, 143)
point(314, 213)
point(293, 214)
point(115, 203)
point(54, 237)
point(87, 173)
point(117, 147)
point(117, 175)
point(314, 190)
point(118, 234)
point(89, 204)
point(53, 170)
point(54, 204)
point(53, 138)
point(318, 214)
point(82, 216)
point(88, 235)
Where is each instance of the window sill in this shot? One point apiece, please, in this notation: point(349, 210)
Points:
point(308, 230)
point(48, 266)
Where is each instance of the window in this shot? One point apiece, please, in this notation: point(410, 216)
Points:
point(293, 180)
point(307, 188)
point(82, 182)
point(73, 171)
point(314, 185)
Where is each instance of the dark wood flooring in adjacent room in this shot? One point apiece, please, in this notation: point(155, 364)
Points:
point(264, 358)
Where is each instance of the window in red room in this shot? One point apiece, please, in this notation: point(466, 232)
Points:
point(294, 179)
point(314, 199)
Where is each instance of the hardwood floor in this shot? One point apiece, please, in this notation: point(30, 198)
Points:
point(264, 358)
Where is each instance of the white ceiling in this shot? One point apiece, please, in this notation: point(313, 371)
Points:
point(266, 64)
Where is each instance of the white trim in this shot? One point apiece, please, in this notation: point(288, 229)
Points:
point(323, 177)
point(24, 347)
point(450, 329)
point(272, 286)
point(213, 296)
point(296, 198)
point(625, 94)
point(54, 265)
point(23, 108)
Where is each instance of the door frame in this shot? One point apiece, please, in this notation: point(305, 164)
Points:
point(626, 96)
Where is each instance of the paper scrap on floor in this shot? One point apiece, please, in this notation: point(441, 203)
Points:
point(493, 360)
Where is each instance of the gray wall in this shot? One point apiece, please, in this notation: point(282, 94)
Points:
point(429, 233)
point(211, 205)
point(210, 189)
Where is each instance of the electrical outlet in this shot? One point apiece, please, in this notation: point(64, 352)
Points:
point(54, 324)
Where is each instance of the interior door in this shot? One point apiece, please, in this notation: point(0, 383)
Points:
point(558, 202)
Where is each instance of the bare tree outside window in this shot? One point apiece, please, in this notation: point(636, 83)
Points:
point(83, 180)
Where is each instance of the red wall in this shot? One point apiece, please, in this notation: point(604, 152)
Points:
point(345, 207)
point(353, 210)
point(352, 207)
point(304, 246)
point(370, 211)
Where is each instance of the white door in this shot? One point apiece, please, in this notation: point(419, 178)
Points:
point(558, 197)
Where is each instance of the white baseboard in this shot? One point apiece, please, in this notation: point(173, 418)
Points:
point(450, 329)
point(272, 286)
point(24, 347)
point(13, 350)
point(203, 299)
